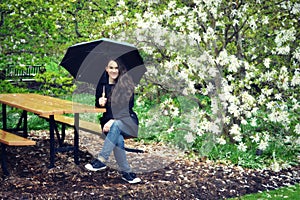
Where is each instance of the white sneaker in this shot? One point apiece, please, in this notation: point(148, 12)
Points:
point(130, 177)
point(95, 165)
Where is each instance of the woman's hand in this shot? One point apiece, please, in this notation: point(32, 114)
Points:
point(102, 101)
point(107, 126)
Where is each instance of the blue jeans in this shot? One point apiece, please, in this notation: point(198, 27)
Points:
point(114, 141)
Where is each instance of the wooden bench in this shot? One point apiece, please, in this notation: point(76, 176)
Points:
point(11, 139)
point(83, 125)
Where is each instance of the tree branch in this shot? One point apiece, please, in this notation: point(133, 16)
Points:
point(2, 18)
point(75, 23)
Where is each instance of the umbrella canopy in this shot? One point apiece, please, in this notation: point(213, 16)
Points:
point(87, 61)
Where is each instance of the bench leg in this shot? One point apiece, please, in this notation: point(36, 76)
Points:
point(52, 141)
point(23, 119)
point(60, 139)
point(4, 117)
point(4, 160)
point(25, 123)
point(76, 138)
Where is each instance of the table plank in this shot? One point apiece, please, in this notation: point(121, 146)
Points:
point(46, 105)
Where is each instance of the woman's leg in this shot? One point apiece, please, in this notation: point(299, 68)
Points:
point(114, 141)
point(111, 140)
point(120, 155)
point(110, 143)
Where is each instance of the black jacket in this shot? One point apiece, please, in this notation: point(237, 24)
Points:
point(121, 111)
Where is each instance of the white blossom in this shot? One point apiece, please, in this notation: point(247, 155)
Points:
point(209, 34)
point(288, 139)
point(255, 138)
point(297, 142)
point(279, 116)
point(269, 75)
point(284, 36)
point(297, 129)
point(296, 54)
point(252, 23)
point(284, 50)
point(265, 20)
point(223, 58)
point(236, 132)
point(213, 127)
point(242, 147)
point(278, 96)
point(253, 122)
point(296, 8)
point(275, 166)
point(247, 98)
point(174, 111)
point(193, 123)
point(121, 3)
point(267, 91)
point(171, 129)
point(244, 122)
point(210, 87)
point(234, 109)
point(296, 78)
point(263, 145)
point(189, 137)
point(267, 62)
point(221, 140)
point(234, 64)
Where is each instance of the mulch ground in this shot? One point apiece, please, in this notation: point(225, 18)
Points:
point(165, 174)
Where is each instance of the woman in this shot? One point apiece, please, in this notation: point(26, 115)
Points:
point(115, 92)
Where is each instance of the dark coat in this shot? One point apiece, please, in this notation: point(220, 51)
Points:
point(120, 111)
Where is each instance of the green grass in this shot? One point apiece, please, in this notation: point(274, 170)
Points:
point(289, 193)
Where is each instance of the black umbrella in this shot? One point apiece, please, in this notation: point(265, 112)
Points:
point(87, 61)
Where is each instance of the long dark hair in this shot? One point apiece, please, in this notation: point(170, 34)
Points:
point(124, 87)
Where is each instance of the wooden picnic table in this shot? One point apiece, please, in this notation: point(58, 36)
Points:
point(46, 106)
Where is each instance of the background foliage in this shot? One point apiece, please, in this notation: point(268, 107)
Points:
point(234, 63)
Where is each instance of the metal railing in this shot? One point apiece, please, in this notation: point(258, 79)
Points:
point(12, 73)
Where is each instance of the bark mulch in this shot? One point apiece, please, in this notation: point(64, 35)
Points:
point(165, 174)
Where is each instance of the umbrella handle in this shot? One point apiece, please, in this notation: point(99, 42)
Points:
point(103, 91)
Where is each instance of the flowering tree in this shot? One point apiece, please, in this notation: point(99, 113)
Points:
point(243, 55)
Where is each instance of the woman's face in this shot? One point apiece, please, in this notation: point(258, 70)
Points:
point(113, 71)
